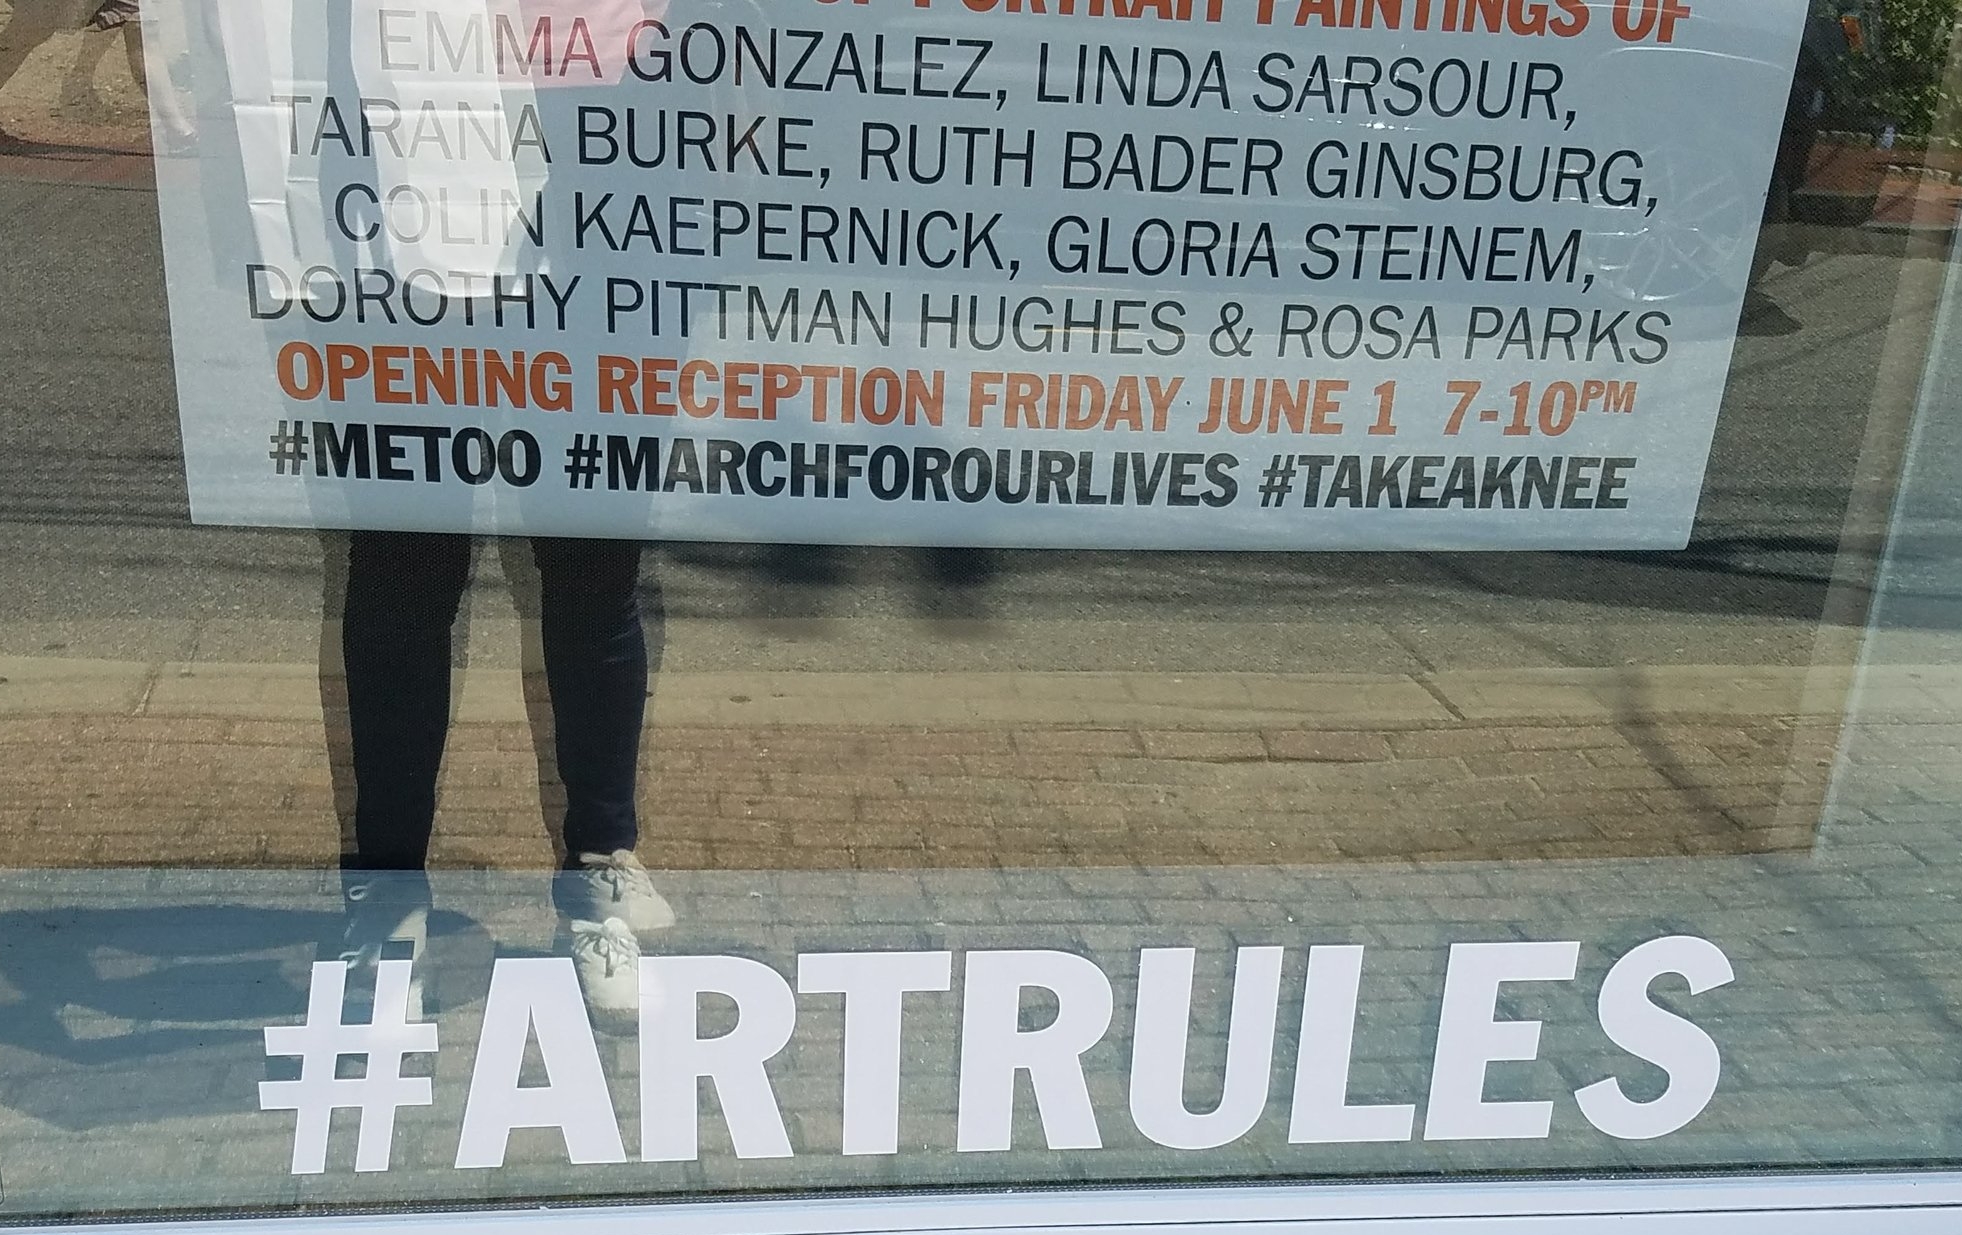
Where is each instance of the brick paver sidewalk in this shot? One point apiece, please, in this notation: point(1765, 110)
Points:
point(1183, 788)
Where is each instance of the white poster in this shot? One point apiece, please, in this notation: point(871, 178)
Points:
point(1263, 274)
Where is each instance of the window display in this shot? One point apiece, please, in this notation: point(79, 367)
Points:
point(1339, 611)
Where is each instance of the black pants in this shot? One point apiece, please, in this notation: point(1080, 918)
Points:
point(403, 590)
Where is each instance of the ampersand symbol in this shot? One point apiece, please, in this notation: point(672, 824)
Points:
point(1227, 340)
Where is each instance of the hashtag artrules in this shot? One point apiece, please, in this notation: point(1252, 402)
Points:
point(534, 1002)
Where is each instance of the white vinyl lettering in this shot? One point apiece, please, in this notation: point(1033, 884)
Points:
point(537, 996)
point(674, 1057)
point(1470, 1038)
point(1158, 1048)
point(1322, 1114)
point(873, 984)
point(994, 1047)
point(1659, 1036)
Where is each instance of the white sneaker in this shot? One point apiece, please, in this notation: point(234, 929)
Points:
point(613, 885)
point(606, 956)
point(382, 923)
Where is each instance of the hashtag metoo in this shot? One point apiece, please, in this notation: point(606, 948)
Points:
point(890, 999)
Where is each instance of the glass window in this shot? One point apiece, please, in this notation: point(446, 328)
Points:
point(613, 599)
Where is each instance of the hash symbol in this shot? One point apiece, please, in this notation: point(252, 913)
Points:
point(1277, 481)
point(289, 447)
point(321, 1039)
point(582, 460)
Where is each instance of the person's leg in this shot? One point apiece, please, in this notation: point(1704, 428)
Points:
point(403, 589)
point(30, 26)
point(596, 667)
point(164, 99)
point(78, 84)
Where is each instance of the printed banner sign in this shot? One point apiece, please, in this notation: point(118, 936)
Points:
point(1184, 274)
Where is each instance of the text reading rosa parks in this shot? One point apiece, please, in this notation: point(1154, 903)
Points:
point(537, 1001)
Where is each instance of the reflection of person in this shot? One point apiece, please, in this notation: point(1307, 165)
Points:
point(34, 22)
point(403, 592)
point(113, 13)
point(402, 596)
point(30, 24)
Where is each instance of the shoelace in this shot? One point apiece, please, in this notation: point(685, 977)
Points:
point(610, 940)
point(621, 877)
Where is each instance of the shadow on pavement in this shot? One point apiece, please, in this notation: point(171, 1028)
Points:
point(113, 1017)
